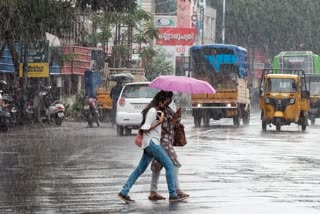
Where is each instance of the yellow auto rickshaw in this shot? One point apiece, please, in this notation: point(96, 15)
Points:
point(284, 98)
point(313, 84)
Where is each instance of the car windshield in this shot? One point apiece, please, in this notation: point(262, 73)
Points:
point(139, 91)
point(281, 85)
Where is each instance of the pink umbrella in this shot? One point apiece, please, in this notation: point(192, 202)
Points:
point(182, 84)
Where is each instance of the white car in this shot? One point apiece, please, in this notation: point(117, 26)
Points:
point(133, 98)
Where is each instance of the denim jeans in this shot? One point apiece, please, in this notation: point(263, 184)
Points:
point(150, 152)
point(155, 179)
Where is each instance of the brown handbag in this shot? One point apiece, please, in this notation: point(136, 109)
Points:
point(179, 136)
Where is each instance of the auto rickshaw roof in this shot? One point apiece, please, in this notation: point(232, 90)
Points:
point(288, 72)
point(282, 76)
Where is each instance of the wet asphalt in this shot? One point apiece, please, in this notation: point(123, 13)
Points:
point(74, 169)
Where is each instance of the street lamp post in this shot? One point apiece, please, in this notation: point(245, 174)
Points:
point(223, 20)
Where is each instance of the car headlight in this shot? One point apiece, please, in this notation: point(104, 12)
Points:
point(228, 105)
point(267, 100)
point(292, 100)
point(199, 105)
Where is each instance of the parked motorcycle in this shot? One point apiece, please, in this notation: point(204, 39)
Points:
point(52, 110)
point(4, 119)
point(91, 111)
point(11, 108)
point(4, 115)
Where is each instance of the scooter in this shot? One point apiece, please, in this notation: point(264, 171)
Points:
point(53, 110)
point(11, 107)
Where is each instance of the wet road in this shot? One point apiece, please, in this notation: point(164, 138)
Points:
point(74, 169)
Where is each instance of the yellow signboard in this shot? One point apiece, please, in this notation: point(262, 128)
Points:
point(36, 70)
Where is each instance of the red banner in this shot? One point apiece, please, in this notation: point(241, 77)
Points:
point(176, 36)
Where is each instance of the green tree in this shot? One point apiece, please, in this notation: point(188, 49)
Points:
point(271, 24)
point(158, 65)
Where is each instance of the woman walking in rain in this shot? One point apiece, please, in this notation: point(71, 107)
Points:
point(171, 119)
point(151, 126)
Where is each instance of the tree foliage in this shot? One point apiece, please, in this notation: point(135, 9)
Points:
point(274, 25)
point(107, 5)
point(158, 65)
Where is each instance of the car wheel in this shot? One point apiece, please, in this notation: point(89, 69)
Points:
point(127, 131)
point(120, 130)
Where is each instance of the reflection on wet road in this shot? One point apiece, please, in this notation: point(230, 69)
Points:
point(73, 169)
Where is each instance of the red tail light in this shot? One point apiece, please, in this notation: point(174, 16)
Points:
point(60, 108)
point(122, 101)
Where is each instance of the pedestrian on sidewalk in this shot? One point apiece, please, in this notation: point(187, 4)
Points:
point(172, 119)
point(151, 126)
point(114, 95)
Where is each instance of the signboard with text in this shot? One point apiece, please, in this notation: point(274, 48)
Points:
point(36, 70)
point(38, 60)
point(176, 36)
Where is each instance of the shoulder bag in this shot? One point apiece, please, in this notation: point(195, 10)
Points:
point(179, 136)
point(138, 139)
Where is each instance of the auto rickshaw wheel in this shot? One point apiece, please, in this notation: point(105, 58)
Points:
point(264, 125)
point(304, 124)
point(313, 119)
point(278, 126)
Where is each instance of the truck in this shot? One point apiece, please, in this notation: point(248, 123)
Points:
point(313, 85)
point(225, 67)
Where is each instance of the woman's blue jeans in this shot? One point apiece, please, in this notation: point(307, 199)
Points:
point(150, 152)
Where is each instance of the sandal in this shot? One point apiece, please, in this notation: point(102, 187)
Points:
point(182, 194)
point(155, 197)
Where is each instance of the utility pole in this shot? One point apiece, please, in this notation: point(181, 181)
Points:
point(223, 20)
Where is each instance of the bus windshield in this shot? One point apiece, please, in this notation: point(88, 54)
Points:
point(298, 62)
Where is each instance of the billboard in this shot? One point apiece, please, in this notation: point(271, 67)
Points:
point(176, 36)
point(38, 62)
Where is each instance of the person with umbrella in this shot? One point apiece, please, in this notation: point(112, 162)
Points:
point(153, 117)
point(171, 120)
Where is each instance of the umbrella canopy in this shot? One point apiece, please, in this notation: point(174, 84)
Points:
point(182, 84)
point(121, 77)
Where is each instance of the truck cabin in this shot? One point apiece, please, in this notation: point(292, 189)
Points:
point(219, 64)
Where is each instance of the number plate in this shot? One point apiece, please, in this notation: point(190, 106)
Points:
point(60, 114)
point(139, 106)
point(86, 107)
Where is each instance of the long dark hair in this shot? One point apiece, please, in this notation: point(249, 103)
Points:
point(159, 97)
